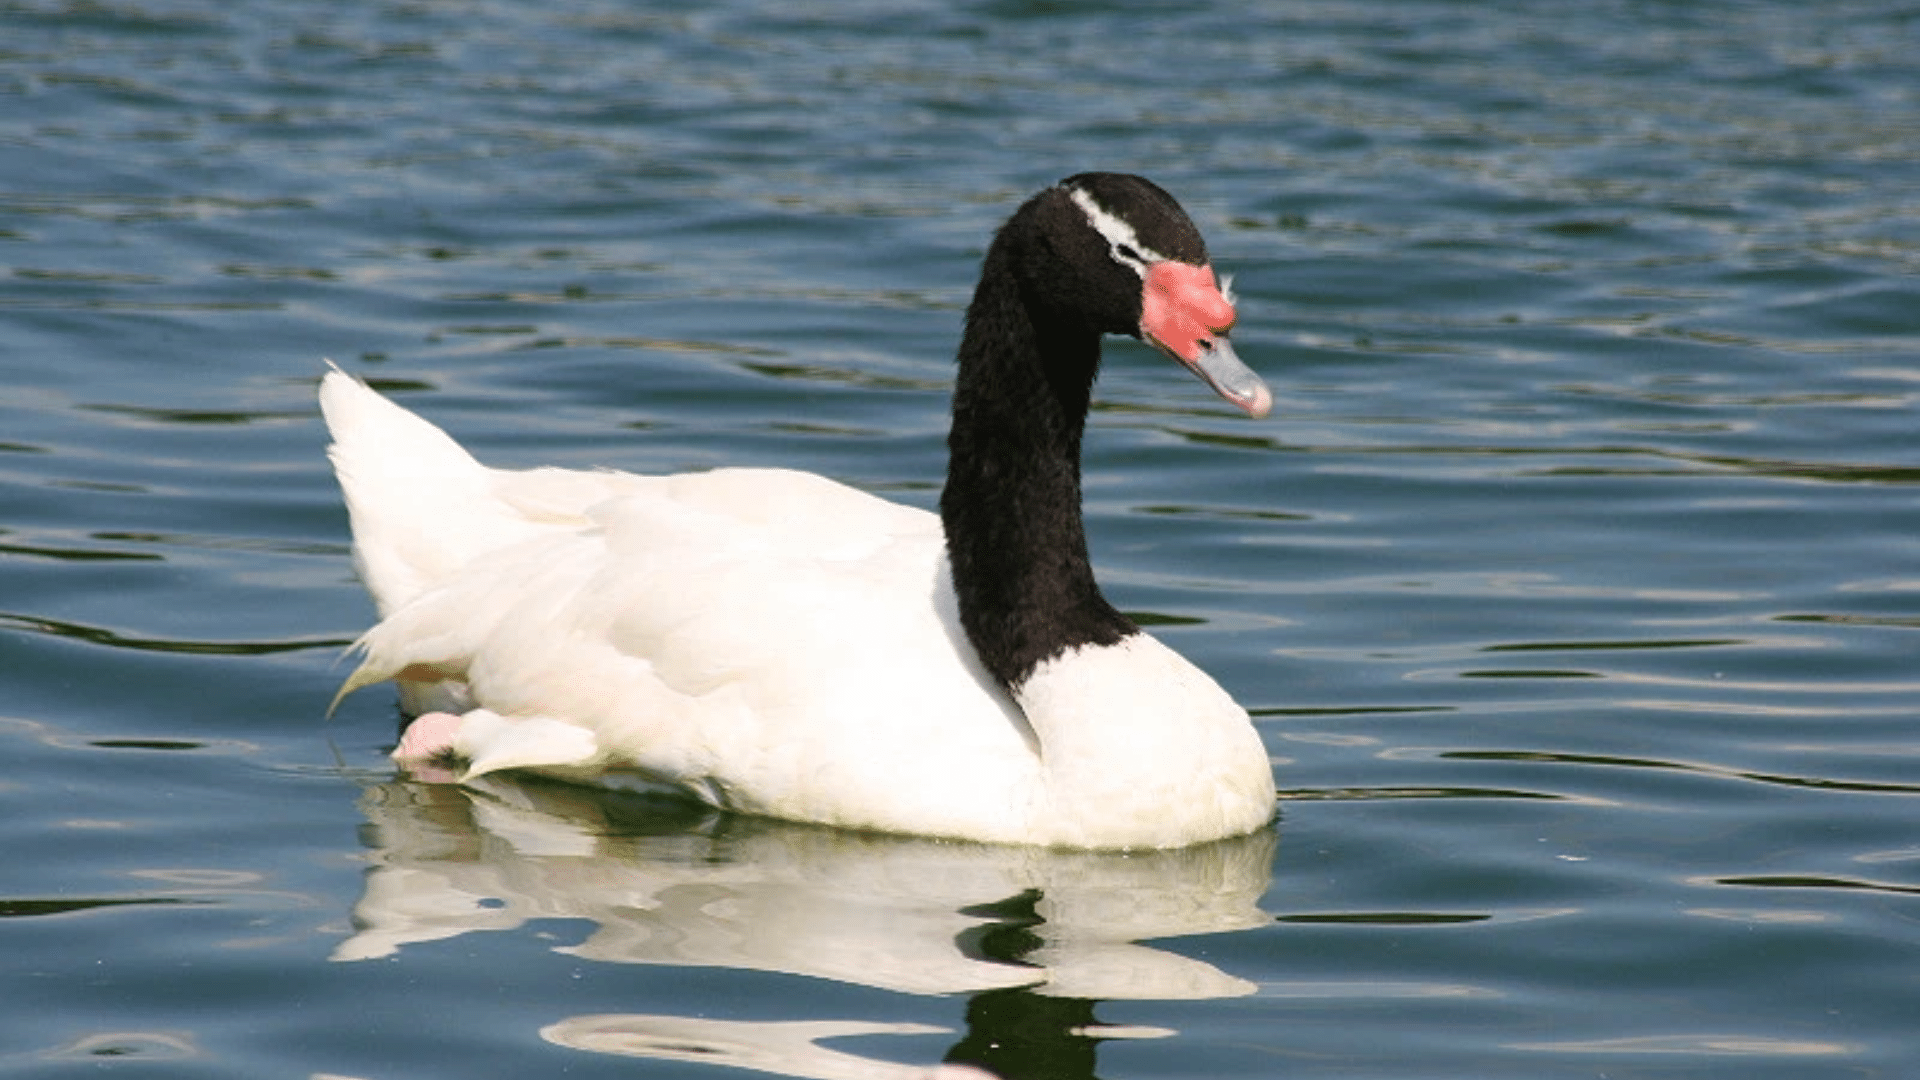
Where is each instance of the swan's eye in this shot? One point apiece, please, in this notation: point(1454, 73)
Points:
point(1122, 242)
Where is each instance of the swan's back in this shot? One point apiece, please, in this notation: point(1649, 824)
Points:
point(422, 507)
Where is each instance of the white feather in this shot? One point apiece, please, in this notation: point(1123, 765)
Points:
point(767, 640)
point(776, 643)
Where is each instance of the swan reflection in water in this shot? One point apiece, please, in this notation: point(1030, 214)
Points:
point(1035, 937)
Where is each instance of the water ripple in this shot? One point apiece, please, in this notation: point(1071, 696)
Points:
point(1560, 758)
point(94, 635)
point(1814, 881)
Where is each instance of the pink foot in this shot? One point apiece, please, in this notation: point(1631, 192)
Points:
point(425, 744)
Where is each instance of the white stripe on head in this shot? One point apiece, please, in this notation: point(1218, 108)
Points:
point(1122, 242)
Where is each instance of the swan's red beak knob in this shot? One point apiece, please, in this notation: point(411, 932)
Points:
point(1184, 314)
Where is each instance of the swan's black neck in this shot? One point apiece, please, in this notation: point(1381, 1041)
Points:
point(1012, 502)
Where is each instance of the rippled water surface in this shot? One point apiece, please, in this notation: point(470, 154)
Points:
point(1574, 584)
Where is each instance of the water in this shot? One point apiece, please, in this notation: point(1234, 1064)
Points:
point(1573, 583)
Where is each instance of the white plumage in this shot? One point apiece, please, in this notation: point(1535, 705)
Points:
point(767, 640)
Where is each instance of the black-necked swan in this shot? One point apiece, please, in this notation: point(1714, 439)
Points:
point(777, 643)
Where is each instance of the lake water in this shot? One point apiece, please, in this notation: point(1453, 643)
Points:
point(1574, 583)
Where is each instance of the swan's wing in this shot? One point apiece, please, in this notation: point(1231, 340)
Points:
point(777, 643)
point(699, 612)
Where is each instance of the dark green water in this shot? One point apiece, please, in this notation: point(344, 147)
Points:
point(1575, 582)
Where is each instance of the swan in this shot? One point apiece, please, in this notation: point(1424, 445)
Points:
point(774, 643)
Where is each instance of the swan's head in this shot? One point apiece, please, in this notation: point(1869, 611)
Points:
point(1129, 239)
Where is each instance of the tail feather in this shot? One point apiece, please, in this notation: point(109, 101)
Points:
point(421, 506)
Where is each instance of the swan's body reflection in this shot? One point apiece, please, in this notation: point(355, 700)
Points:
point(1036, 936)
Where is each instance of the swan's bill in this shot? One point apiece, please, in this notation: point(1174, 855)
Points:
point(1186, 315)
point(1221, 368)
